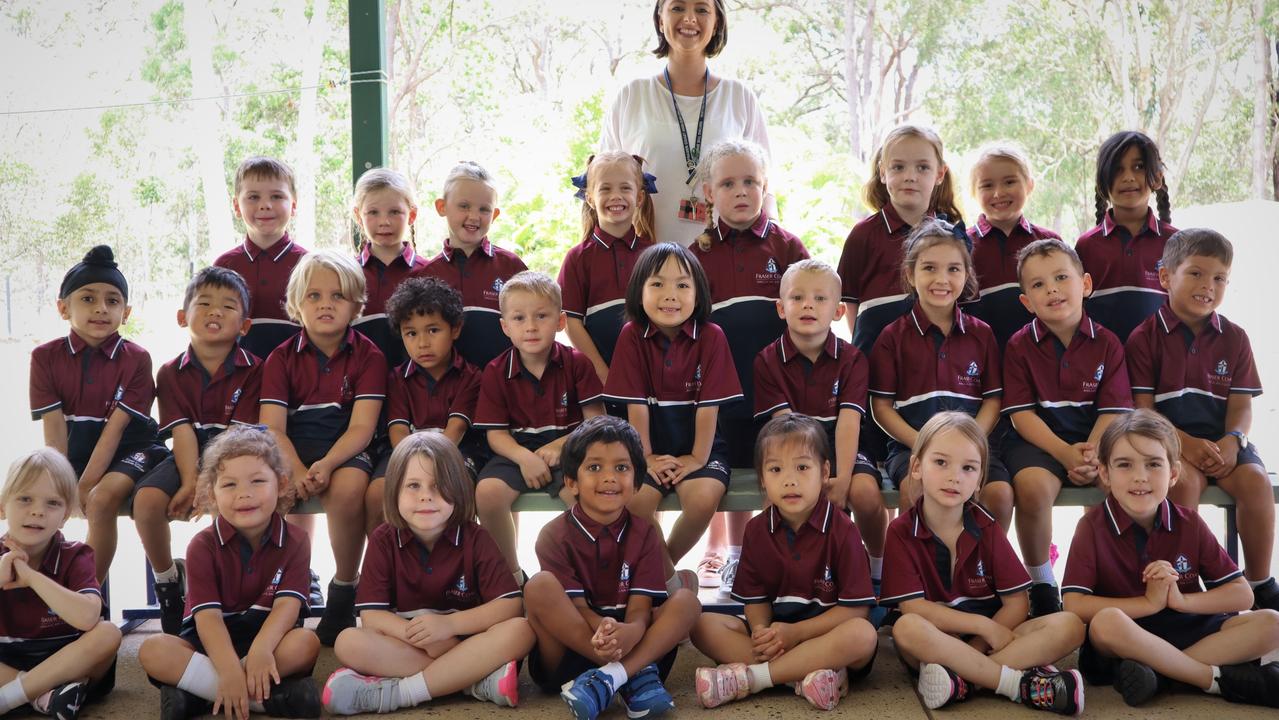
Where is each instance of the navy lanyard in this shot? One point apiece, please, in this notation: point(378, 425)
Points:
point(693, 154)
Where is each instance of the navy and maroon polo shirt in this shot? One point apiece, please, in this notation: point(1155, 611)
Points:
point(924, 372)
point(673, 377)
point(464, 570)
point(87, 384)
point(187, 394)
point(1068, 387)
point(995, 261)
point(917, 563)
point(479, 278)
point(224, 573)
point(785, 379)
point(266, 273)
point(1124, 270)
point(536, 411)
point(803, 573)
point(318, 391)
point(1110, 550)
point(381, 280)
point(1191, 376)
point(25, 617)
point(416, 399)
point(593, 281)
point(744, 269)
point(871, 269)
point(605, 564)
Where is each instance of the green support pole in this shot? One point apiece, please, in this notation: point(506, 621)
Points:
point(369, 133)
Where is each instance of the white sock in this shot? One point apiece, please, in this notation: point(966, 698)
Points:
point(167, 576)
point(617, 673)
point(12, 696)
point(734, 552)
point(200, 678)
point(1272, 656)
point(347, 583)
point(1214, 688)
point(761, 678)
point(1254, 584)
point(876, 568)
point(413, 690)
point(1042, 573)
point(1009, 683)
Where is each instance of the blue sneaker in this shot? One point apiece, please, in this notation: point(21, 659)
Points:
point(589, 694)
point(644, 695)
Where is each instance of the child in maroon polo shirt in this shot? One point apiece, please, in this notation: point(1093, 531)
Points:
point(322, 394)
point(1001, 182)
point(472, 264)
point(961, 590)
point(1162, 599)
point(937, 358)
point(1197, 369)
point(385, 211)
point(531, 398)
point(242, 645)
point(1065, 380)
point(809, 370)
point(92, 391)
point(1122, 252)
point(439, 612)
point(617, 225)
point(804, 579)
point(212, 385)
point(49, 597)
point(266, 200)
point(435, 388)
point(591, 606)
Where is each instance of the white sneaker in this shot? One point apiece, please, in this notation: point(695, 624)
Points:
point(500, 687)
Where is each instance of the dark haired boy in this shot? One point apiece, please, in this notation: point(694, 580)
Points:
point(435, 388)
point(101, 388)
point(591, 606)
point(212, 385)
point(1197, 369)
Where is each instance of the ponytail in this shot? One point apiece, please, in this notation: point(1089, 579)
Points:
point(705, 240)
point(1163, 204)
point(1102, 205)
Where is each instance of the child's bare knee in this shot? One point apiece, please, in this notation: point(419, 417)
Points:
point(865, 497)
point(492, 494)
point(909, 631)
point(539, 588)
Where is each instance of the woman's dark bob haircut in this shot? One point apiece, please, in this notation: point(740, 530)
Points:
point(719, 38)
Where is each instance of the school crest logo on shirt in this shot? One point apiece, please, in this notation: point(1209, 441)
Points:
point(826, 583)
point(461, 583)
point(235, 396)
point(624, 579)
point(972, 369)
point(1101, 370)
point(119, 393)
point(834, 388)
point(497, 285)
point(981, 569)
point(1181, 565)
point(697, 373)
point(564, 400)
point(770, 266)
point(347, 394)
point(1222, 368)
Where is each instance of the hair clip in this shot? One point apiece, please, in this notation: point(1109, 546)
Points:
point(579, 181)
point(957, 230)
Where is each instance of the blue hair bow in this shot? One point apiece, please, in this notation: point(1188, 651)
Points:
point(579, 181)
point(958, 231)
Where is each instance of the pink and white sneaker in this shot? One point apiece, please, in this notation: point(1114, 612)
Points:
point(500, 687)
point(722, 684)
point(824, 688)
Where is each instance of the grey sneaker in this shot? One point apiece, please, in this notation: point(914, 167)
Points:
point(500, 687)
point(726, 576)
point(347, 693)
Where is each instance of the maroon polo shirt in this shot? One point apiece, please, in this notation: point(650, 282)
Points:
point(744, 269)
point(995, 261)
point(24, 616)
point(479, 278)
point(266, 273)
point(604, 564)
point(673, 377)
point(593, 281)
point(400, 575)
point(925, 373)
point(1124, 270)
point(787, 380)
point(1068, 387)
point(803, 573)
point(381, 280)
point(1110, 550)
point(416, 399)
point(536, 411)
point(187, 394)
point(87, 384)
point(871, 269)
point(1191, 376)
point(917, 563)
point(224, 573)
point(321, 391)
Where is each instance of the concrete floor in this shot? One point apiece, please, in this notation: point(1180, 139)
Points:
point(887, 694)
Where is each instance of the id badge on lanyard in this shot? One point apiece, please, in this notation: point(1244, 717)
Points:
point(691, 208)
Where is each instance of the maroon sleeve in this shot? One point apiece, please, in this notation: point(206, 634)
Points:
point(397, 399)
point(901, 578)
point(246, 408)
point(648, 576)
point(627, 379)
point(370, 384)
point(552, 556)
point(992, 375)
point(1114, 394)
point(275, 377)
point(44, 388)
point(1081, 563)
point(1009, 573)
point(585, 381)
point(1215, 566)
point(468, 394)
point(853, 572)
point(573, 284)
point(1019, 393)
point(491, 412)
point(202, 577)
point(1246, 380)
point(883, 362)
point(295, 581)
point(82, 576)
point(795, 251)
point(719, 377)
point(854, 379)
point(1139, 355)
point(851, 261)
point(172, 406)
point(748, 583)
point(770, 395)
point(376, 590)
point(490, 571)
point(139, 394)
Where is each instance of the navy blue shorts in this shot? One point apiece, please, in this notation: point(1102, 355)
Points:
point(508, 471)
point(24, 656)
point(138, 463)
point(717, 466)
point(1247, 456)
point(163, 477)
point(1019, 455)
point(549, 680)
point(309, 451)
